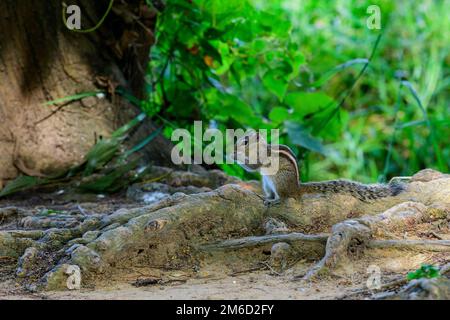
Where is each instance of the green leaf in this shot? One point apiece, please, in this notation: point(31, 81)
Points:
point(425, 271)
point(305, 103)
point(223, 106)
point(213, 33)
point(301, 137)
point(259, 45)
point(279, 114)
point(296, 59)
point(182, 102)
point(278, 25)
point(235, 74)
point(280, 62)
point(211, 50)
point(239, 110)
point(227, 58)
point(333, 119)
point(275, 82)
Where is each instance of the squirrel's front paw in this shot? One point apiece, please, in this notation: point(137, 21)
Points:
point(271, 202)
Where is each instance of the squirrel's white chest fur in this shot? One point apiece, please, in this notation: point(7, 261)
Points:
point(269, 187)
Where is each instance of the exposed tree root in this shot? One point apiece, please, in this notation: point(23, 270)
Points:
point(233, 244)
point(430, 245)
point(262, 240)
point(344, 235)
point(10, 214)
point(353, 235)
point(182, 231)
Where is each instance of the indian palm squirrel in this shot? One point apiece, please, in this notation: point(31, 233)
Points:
point(284, 182)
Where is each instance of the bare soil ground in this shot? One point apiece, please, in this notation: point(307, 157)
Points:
point(255, 286)
point(209, 284)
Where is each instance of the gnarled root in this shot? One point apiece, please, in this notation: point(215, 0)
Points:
point(187, 232)
point(351, 236)
point(344, 236)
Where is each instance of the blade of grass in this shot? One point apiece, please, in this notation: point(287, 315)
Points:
point(22, 183)
point(436, 149)
point(111, 181)
point(142, 144)
point(349, 91)
point(73, 97)
point(387, 160)
point(329, 74)
point(444, 122)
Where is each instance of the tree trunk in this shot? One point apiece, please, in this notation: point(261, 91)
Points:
point(41, 60)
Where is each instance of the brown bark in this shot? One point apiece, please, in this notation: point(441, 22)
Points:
point(41, 60)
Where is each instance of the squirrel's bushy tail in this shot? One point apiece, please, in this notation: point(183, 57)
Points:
point(363, 192)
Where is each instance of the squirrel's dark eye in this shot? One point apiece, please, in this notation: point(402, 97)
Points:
point(245, 141)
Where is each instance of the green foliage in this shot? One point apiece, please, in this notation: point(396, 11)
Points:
point(112, 179)
point(425, 271)
point(299, 136)
point(49, 212)
point(108, 148)
point(310, 68)
point(351, 102)
point(209, 52)
point(21, 183)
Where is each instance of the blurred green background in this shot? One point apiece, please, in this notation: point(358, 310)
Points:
point(352, 102)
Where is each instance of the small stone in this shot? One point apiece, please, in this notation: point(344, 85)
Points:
point(427, 175)
point(279, 255)
point(89, 102)
point(280, 250)
point(273, 226)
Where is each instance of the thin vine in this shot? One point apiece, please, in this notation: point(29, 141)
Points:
point(64, 17)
